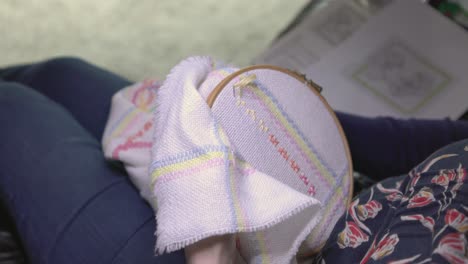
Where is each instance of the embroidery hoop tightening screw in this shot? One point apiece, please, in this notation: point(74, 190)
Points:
point(311, 83)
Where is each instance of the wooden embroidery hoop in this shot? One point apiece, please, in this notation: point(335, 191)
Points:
point(313, 87)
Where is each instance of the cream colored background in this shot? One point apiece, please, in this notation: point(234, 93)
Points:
point(140, 38)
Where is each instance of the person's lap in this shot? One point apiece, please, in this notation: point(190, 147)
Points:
point(81, 88)
point(68, 203)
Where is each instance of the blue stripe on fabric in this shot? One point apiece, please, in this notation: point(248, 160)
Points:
point(186, 155)
point(296, 128)
point(227, 174)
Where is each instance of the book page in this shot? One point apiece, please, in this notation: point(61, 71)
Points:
point(407, 61)
point(325, 26)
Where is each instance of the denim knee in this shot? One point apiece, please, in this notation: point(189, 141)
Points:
point(60, 63)
point(18, 93)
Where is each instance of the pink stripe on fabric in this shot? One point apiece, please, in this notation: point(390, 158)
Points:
point(128, 145)
point(178, 174)
point(313, 168)
point(131, 124)
point(326, 218)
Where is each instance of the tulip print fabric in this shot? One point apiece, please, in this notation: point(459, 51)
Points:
point(421, 217)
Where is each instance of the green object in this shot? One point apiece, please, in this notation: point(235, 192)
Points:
point(455, 11)
point(449, 9)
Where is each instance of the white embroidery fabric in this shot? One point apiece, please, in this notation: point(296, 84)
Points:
point(195, 179)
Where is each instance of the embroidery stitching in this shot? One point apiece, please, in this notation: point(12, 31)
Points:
point(247, 81)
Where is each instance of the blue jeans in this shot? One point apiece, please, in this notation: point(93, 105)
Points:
point(70, 205)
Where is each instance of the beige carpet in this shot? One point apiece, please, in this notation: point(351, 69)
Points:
point(140, 38)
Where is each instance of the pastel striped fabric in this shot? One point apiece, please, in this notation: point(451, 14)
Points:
point(128, 135)
point(330, 188)
point(283, 129)
point(183, 160)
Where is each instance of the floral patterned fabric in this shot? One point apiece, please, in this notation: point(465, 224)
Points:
point(421, 217)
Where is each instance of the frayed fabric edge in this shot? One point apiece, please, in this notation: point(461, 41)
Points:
point(174, 246)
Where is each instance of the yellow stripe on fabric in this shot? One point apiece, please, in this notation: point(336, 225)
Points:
point(272, 107)
point(223, 137)
point(124, 123)
point(263, 250)
point(185, 164)
point(331, 203)
point(240, 214)
point(237, 206)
